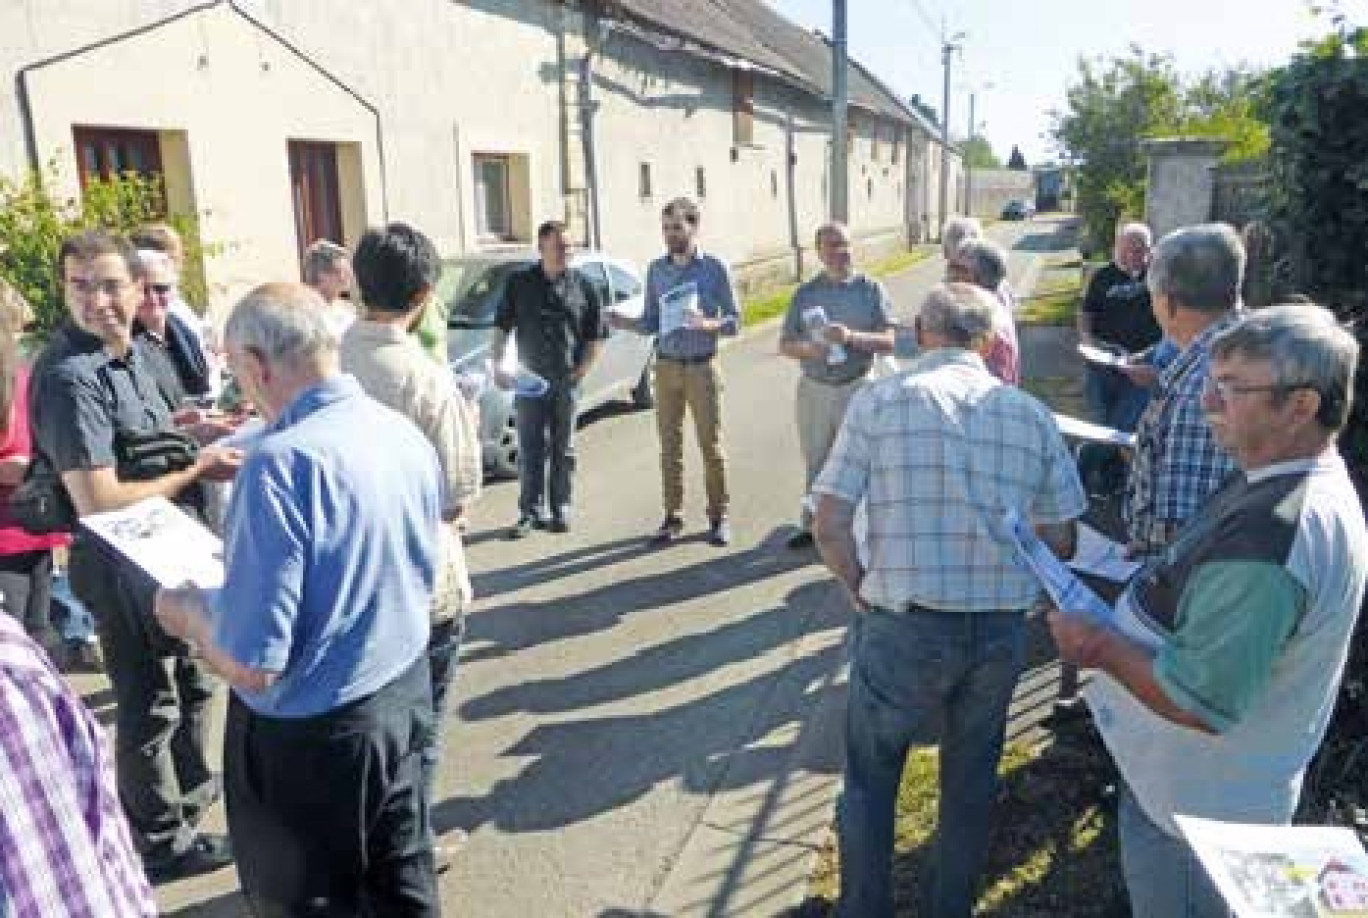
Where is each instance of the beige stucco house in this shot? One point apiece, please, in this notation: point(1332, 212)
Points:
point(281, 121)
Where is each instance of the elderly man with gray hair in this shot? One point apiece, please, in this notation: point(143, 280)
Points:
point(938, 454)
point(836, 325)
point(983, 263)
point(1217, 680)
point(321, 629)
point(1194, 283)
point(327, 269)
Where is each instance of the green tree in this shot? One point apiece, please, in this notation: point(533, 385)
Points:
point(33, 224)
point(978, 154)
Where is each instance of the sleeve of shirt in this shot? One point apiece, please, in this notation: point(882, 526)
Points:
point(727, 309)
point(650, 311)
point(72, 425)
point(254, 620)
point(1061, 496)
point(846, 473)
point(595, 325)
point(886, 318)
point(1096, 295)
point(793, 318)
point(456, 435)
point(506, 316)
point(1233, 619)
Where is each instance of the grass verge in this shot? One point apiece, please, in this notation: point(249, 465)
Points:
point(1054, 300)
point(771, 303)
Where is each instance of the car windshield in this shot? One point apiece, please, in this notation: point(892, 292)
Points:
point(471, 289)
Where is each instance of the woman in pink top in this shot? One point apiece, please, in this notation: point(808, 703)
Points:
point(25, 559)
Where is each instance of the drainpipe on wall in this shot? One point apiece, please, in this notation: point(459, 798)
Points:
point(598, 30)
point(26, 121)
point(791, 179)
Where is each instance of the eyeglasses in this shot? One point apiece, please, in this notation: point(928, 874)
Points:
point(161, 289)
point(1220, 390)
point(110, 287)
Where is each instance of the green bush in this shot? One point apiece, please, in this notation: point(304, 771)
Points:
point(33, 224)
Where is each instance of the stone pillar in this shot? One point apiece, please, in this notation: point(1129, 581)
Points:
point(1178, 192)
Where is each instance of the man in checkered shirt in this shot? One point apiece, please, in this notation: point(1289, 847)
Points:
point(1194, 282)
point(938, 454)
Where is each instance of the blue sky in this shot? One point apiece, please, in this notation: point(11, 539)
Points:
point(1028, 50)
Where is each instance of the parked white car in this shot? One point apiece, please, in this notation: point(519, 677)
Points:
point(471, 288)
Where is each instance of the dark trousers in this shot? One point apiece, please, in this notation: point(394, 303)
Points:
point(443, 652)
point(546, 443)
point(26, 585)
point(162, 701)
point(328, 814)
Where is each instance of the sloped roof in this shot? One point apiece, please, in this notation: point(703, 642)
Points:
point(753, 31)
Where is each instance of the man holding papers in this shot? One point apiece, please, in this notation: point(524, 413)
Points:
point(938, 454)
point(689, 304)
point(321, 628)
point(836, 324)
point(1219, 674)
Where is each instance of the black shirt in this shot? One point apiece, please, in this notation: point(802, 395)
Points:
point(552, 320)
point(161, 364)
point(1120, 308)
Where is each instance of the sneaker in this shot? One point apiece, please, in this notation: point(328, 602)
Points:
point(523, 527)
point(206, 854)
point(671, 528)
point(559, 524)
point(800, 540)
point(719, 533)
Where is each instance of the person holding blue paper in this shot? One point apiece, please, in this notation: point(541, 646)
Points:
point(1217, 680)
point(557, 319)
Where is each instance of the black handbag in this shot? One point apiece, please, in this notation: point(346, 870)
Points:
point(143, 456)
point(40, 504)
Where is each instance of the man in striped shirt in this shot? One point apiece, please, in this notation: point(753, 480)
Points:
point(65, 848)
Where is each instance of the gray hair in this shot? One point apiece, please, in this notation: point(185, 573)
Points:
point(1306, 347)
point(151, 259)
point(962, 314)
point(1199, 267)
point(321, 257)
point(987, 261)
point(283, 324)
point(955, 231)
point(1135, 230)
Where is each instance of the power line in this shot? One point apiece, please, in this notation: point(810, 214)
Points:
point(935, 29)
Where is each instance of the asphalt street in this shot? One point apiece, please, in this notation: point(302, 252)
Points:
point(639, 731)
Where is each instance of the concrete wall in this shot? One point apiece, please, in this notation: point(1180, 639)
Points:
point(1179, 188)
point(991, 189)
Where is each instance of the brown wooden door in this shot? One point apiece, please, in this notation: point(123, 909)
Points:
point(103, 153)
point(313, 185)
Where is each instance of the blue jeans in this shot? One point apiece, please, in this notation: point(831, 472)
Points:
point(920, 678)
point(443, 653)
point(546, 450)
point(1163, 876)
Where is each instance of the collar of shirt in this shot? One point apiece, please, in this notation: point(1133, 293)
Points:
point(1196, 350)
point(1328, 461)
point(378, 332)
point(948, 356)
point(334, 389)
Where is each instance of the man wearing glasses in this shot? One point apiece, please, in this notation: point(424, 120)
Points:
point(170, 344)
point(327, 269)
point(92, 395)
point(1194, 282)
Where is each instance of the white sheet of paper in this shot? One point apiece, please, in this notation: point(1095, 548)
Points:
point(170, 545)
point(1069, 594)
point(1282, 871)
point(1100, 556)
point(676, 304)
point(1093, 433)
point(1101, 357)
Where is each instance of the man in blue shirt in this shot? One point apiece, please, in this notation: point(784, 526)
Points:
point(689, 304)
point(321, 627)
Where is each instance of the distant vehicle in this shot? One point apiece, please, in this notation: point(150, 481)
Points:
point(471, 288)
point(1018, 210)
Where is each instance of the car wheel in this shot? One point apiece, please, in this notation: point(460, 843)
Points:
point(643, 393)
point(505, 461)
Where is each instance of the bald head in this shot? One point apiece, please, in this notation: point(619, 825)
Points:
point(284, 324)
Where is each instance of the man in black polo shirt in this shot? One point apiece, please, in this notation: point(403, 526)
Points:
point(556, 318)
point(92, 392)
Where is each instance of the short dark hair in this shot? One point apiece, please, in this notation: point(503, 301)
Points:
point(92, 244)
point(683, 208)
point(393, 264)
point(550, 228)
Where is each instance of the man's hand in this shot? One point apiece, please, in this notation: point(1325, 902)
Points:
point(1143, 375)
point(697, 321)
point(1079, 641)
point(505, 379)
point(836, 333)
point(180, 611)
point(218, 463)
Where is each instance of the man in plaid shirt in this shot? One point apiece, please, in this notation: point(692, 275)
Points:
point(938, 455)
point(65, 848)
point(1194, 281)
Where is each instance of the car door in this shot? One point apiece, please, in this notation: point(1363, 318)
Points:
point(605, 374)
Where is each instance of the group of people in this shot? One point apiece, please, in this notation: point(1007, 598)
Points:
point(339, 625)
point(1214, 681)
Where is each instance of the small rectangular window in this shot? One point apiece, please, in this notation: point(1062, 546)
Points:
point(700, 182)
point(644, 181)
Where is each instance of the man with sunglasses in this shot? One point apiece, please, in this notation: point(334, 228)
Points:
point(170, 344)
point(1194, 281)
point(1217, 681)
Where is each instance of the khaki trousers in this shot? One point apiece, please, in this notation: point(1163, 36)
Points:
point(820, 410)
point(698, 388)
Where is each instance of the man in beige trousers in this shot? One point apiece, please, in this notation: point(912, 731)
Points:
point(836, 325)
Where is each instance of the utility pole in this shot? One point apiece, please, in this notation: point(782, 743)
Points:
point(948, 49)
point(840, 124)
point(968, 166)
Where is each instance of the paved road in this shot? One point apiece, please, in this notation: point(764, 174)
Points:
point(644, 732)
